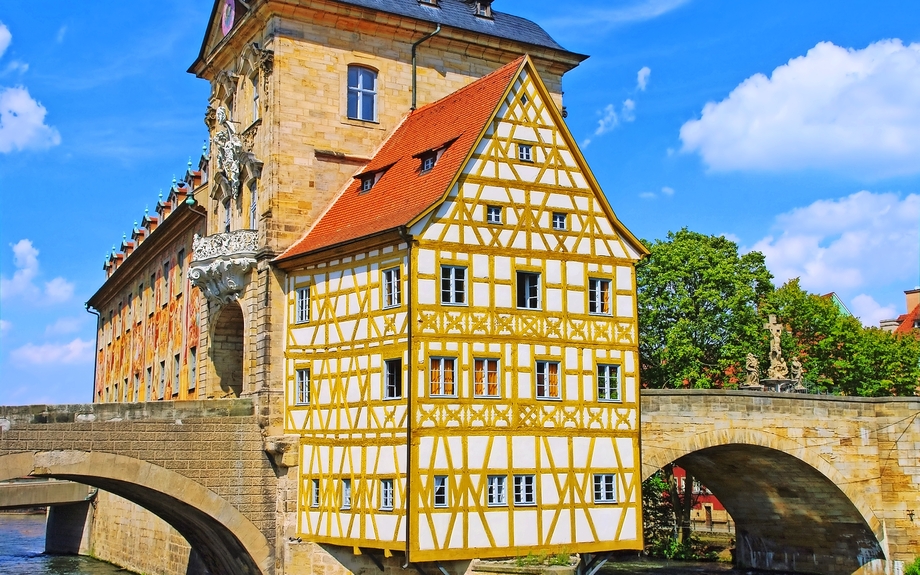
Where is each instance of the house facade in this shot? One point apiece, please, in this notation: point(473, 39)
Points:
point(394, 246)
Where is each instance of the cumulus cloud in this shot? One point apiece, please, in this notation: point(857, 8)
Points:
point(15, 66)
point(665, 191)
point(847, 244)
point(22, 283)
point(642, 78)
point(869, 311)
point(610, 119)
point(65, 325)
point(52, 354)
point(22, 122)
point(846, 110)
point(5, 38)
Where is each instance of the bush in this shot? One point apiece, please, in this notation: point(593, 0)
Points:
point(913, 568)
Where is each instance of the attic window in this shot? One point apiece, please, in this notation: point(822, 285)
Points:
point(367, 182)
point(428, 161)
point(429, 2)
point(484, 9)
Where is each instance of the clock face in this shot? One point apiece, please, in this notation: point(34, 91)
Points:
point(228, 16)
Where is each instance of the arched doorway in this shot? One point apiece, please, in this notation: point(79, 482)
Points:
point(227, 351)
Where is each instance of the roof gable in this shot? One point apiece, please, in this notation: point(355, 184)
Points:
point(403, 191)
point(908, 321)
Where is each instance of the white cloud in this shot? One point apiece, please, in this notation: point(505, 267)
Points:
point(648, 195)
point(608, 121)
point(65, 325)
point(846, 244)
point(51, 354)
point(609, 17)
point(22, 283)
point(869, 311)
point(15, 66)
point(5, 326)
point(62, 31)
point(5, 38)
point(667, 190)
point(853, 111)
point(642, 78)
point(22, 122)
point(629, 110)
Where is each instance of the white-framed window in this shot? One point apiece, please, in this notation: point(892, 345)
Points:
point(484, 8)
point(392, 379)
point(605, 488)
point(528, 290)
point(303, 387)
point(440, 491)
point(253, 205)
point(314, 493)
point(153, 294)
point(192, 368)
point(493, 214)
point(453, 285)
point(137, 386)
point(129, 312)
point(362, 93)
point(140, 303)
point(386, 495)
point(599, 296)
point(346, 494)
point(559, 221)
point(608, 382)
point(525, 152)
point(443, 377)
point(165, 299)
point(180, 272)
point(302, 311)
point(161, 393)
point(497, 490)
point(547, 381)
point(525, 492)
point(148, 393)
point(176, 367)
point(392, 287)
point(367, 182)
point(428, 161)
point(227, 215)
point(254, 83)
point(486, 382)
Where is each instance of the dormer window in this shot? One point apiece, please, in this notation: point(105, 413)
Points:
point(428, 161)
point(429, 3)
point(484, 9)
point(367, 182)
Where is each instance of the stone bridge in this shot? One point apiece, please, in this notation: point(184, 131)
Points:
point(814, 483)
point(198, 465)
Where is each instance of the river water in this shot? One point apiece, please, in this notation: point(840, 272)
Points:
point(22, 540)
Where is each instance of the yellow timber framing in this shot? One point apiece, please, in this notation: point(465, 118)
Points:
point(468, 438)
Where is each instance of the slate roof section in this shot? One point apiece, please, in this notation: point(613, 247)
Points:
point(460, 14)
point(403, 191)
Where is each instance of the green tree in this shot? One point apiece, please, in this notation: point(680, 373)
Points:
point(698, 316)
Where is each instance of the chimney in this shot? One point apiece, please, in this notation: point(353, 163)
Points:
point(913, 299)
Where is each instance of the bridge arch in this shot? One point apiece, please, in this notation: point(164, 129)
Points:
point(792, 508)
point(226, 541)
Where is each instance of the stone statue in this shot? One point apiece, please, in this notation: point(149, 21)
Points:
point(796, 370)
point(229, 147)
point(753, 370)
point(778, 369)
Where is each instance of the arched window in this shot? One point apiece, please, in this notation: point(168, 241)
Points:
point(362, 93)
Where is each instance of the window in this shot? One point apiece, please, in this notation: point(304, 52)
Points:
point(608, 382)
point(346, 494)
point(528, 290)
point(152, 300)
point(497, 492)
point(442, 377)
point(129, 312)
point(548, 380)
point(314, 493)
point(115, 393)
point(559, 221)
point(524, 99)
point(254, 83)
point(392, 295)
point(485, 378)
point(137, 386)
point(599, 296)
point(253, 205)
point(227, 215)
point(362, 93)
point(192, 368)
point(140, 302)
point(303, 305)
point(165, 299)
point(303, 387)
point(493, 214)
point(367, 182)
point(428, 161)
point(453, 285)
point(180, 267)
point(605, 488)
point(386, 494)
point(525, 490)
point(484, 9)
point(162, 390)
point(175, 386)
point(525, 152)
point(148, 395)
point(392, 379)
point(440, 491)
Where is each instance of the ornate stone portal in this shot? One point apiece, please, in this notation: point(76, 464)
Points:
point(221, 264)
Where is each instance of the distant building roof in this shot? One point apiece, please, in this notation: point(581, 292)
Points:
point(838, 302)
point(403, 191)
point(909, 321)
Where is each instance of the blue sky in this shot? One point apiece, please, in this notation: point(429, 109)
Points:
point(791, 127)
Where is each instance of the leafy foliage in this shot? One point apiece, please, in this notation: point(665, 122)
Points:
point(660, 519)
point(913, 568)
point(698, 309)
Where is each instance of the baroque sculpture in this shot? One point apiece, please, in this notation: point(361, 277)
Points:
point(753, 370)
point(778, 368)
point(229, 147)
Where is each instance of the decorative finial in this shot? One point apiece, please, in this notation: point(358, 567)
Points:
point(174, 180)
point(113, 251)
point(135, 227)
point(190, 163)
point(124, 237)
point(146, 210)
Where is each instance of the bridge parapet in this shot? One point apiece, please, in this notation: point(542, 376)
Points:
point(16, 415)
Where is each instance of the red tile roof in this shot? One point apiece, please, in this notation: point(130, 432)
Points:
point(908, 320)
point(403, 191)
